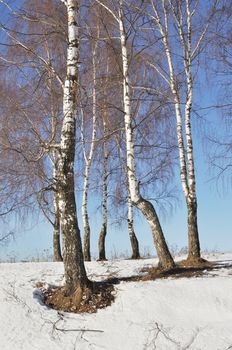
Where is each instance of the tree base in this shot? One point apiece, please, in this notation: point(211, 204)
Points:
point(89, 299)
point(194, 262)
point(58, 259)
point(135, 257)
point(168, 267)
point(87, 258)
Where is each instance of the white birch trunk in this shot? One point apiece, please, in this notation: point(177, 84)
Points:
point(130, 216)
point(186, 159)
point(132, 235)
point(75, 274)
point(85, 216)
point(165, 258)
point(88, 161)
point(176, 100)
point(57, 256)
point(193, 235)
point(105, 121)
point(103, 233)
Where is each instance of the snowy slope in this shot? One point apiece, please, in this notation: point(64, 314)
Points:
point(184, 313)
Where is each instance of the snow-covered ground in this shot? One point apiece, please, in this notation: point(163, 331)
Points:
point(184, 313)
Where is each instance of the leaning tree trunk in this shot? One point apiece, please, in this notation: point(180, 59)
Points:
point(74, 269)
point(102, 236)
point(57, 256)
point(146, 207)
point(132, 235)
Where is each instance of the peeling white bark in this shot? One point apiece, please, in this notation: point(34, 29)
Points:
point(75, 274)
point(146, 207)
point(132, 235)
point(130, 216)
point(133, 183)
point(164, 31)
point(183, 121)
point(102, 236)
point(57, 256)
point(193, 235)
point(188, 106)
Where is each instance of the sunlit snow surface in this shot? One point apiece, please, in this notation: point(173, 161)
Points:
point(185, 313)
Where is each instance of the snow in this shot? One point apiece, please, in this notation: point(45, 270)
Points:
point(184, 313)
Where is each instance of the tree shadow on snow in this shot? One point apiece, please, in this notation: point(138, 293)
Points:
point(103, 293)
point(180, 271)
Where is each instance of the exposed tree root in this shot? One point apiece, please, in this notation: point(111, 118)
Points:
point(194, 262)
point(99, 296)
point(185, 268)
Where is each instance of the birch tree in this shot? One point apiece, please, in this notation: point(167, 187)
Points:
point(146, 207)
point(130, 223)
point(103, 232)
point(220, 53)
point(61, 150)
point(165, 258)
point(33, 65)
point(109, 95)
point(130, 213)
point(57, 254)
point(89, 157)
point(175, 20)
point(96, 38)
point(75, 273)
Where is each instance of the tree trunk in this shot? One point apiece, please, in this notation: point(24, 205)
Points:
point(194, 252)
point(132, 235)
point(165, 258)
point(75, 274)
point(102, 236)
point(85, 216)
point(164, 255)
point(57, 256)
point(187, 172)
point(88, 162)
point(101, 243)
point(86, 244)
point(74, 269)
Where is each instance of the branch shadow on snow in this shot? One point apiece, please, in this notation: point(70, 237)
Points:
point(38, 295)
